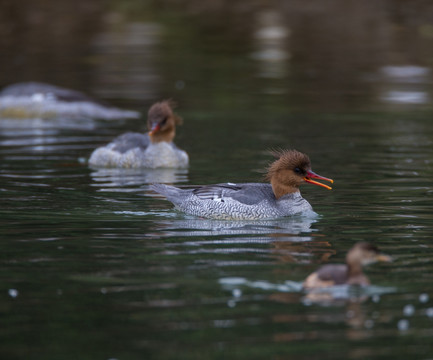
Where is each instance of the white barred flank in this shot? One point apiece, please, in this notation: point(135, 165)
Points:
point(228, 208)
point(160, 155)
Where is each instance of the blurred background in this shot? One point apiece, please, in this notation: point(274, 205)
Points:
point(315, 55)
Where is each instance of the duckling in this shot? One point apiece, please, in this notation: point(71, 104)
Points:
point(249, 201)
point(154, 149)
point(359, 255)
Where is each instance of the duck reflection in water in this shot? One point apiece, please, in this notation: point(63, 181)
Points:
point(296, 252)
point(121, 180)
point(296, 228)
point(353, 314)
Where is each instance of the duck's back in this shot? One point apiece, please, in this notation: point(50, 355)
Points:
point(129, 141)
point(246, 193)
point(337, 273)
point(326, 276)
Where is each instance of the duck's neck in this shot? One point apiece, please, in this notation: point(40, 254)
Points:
point(280, 189)
point(167, 136)
point(355, 269)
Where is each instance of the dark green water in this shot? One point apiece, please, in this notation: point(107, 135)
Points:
point(95, 266)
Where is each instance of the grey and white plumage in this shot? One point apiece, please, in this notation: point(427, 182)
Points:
point(154, 149)
point(249, 201)
point(229, 201)
point(129, 141)
point(134, 151)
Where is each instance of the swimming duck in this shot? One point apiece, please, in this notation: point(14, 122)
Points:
point(39, 100)
point(359, 255)
point(249, 201)
point(154, 149)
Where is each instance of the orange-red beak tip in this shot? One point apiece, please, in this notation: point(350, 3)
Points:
point(326, 186)
point(309, 180)
point(154, 129)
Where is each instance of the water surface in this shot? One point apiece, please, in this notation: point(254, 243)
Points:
point(96, 266)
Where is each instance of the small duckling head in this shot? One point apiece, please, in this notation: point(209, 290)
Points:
point(162, 121)
point(289, 171)
point(363, 253)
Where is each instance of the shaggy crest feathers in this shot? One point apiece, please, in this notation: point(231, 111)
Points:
point(287, 159)
point(163, 109)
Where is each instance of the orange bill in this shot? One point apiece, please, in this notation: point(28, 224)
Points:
point(312, 175)
point(384, 258)
point(154, 129)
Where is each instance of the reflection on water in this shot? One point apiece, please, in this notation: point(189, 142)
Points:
point(406, 97)
point(125, 260)
point(197, 227)
point(129, 53)
point(43, 139)
point(405, 84)
point(407, 73)
point(234, 284)
point(36, 126)
point(347, 298)
point(341, 294)
point(335, 295)
point(271, 42)
point(132, 180)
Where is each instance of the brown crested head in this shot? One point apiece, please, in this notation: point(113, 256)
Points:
point(363, 253)
point(162, 121)
point(289, 171)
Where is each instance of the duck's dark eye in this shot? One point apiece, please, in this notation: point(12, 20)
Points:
point(298, 170)
point(163, 121)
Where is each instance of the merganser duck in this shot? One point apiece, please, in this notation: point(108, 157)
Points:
point(251, 201)
point(40, 100)
point(359, 255)
point(154, 149)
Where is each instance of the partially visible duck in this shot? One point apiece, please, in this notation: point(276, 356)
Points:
point(40, 100)
point(359, 255)
point(154, 149)
point(251, 201)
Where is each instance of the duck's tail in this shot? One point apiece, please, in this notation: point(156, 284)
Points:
point(172, 193)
